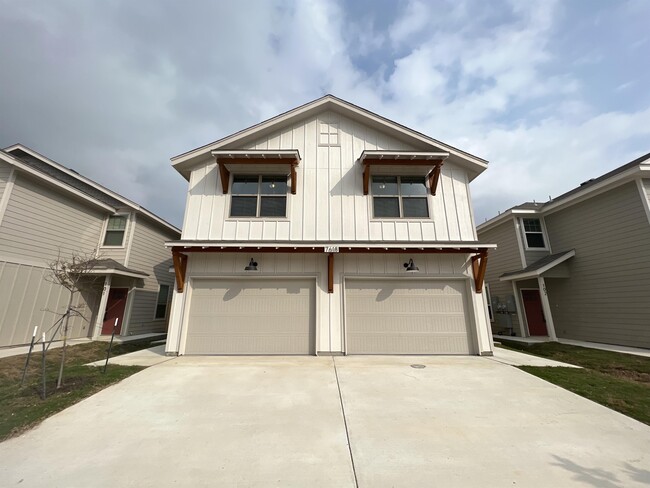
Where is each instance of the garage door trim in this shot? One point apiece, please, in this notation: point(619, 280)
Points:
point(464, 278)
point(189, 289)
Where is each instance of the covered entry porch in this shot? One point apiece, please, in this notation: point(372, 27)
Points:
point(531, 297)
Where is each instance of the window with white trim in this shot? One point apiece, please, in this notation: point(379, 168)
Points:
point(328, 134)
point(534, 233)
point(115, 230)
point(399, 197)
point(161, 302)
point(259, 196)
point(488, 296)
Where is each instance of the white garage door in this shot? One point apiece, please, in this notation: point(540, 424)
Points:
point(251, 317)
point(407, 317)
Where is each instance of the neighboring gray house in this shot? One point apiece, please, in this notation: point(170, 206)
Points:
point(47, 209)
point(588, 251)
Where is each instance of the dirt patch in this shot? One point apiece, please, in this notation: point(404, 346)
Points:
point(630, 375)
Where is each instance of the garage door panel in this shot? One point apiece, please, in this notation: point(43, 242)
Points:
point(274, 317)
point(407, 317)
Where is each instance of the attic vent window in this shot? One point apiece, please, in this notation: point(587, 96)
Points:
point(328, 134)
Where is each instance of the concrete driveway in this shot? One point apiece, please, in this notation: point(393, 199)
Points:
point(458, 422)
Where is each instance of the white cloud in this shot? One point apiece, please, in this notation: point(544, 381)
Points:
point(114, 89)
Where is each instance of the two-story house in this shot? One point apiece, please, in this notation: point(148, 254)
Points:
point(329, 230)
point(576, 267)
point(49, 211)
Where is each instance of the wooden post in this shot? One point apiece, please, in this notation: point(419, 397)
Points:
point(224, 174)
point(479, 266)
point(294, 183)
point(366, 178)
point(180, 267)
point(434, 177)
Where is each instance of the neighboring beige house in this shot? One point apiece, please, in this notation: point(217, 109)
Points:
point(47, 209)
point(577, 266)
point(329, 230)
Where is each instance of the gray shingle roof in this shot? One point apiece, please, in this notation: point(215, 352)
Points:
point(111, 264)
point(50, 170)
point(539, 264)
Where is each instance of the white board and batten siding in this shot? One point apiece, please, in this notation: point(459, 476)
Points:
point(329, 204)
point(38, 224)
point(149, 254)
point(451, 270)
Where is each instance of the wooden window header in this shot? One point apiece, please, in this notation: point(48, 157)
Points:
point(431, 164)
point(268, 161)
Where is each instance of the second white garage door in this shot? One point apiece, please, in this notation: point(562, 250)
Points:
point(407, 317)
point(251, 317)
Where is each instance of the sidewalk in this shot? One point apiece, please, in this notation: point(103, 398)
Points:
point(516, 358)
point(144, 357)
point(636, 351)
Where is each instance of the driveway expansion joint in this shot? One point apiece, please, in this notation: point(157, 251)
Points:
point(345, 423)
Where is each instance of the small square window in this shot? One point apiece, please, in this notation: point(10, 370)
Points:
point(328, 134)
point(115, 230)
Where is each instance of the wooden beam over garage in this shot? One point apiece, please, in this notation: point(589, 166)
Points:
point(180, 269)
point(479, 266)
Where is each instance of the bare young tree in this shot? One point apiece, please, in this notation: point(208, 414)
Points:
point(74, 274)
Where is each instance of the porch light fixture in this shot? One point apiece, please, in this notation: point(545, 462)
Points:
point(252, 266)
point(411, 267)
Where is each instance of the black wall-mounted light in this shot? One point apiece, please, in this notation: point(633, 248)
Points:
point(252, 266)
point(411, 267)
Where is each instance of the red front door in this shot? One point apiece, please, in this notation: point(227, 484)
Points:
point(534, 312)
point(114, 310)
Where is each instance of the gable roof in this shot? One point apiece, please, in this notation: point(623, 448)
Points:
point(45, 168)
point(183, 162)
point(622, 174)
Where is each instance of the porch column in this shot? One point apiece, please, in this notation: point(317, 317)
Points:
point(99, 321)
point(520, 311)
point(546, 306)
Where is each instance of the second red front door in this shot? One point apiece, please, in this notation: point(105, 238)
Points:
point(534, 312)
point(114, 310)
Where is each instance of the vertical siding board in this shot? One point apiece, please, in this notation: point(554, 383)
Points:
point(298, 200)
point(208, 194)
point(447, 193)
point(462, 206)
point(309, 216)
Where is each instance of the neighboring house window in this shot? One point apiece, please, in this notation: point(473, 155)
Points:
point(329, 134)
point(115, 230)
point(259, 196)
point(534, 233)
point(399, 196)
point(161, 303)
point(488, 296)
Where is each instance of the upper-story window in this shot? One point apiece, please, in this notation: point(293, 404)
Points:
point(400, 197)
point(534, 234)
point(259, 196)
point(329, 134)
point(115, 230)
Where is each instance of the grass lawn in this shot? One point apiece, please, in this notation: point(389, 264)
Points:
point(22, 407)
point(618, 381)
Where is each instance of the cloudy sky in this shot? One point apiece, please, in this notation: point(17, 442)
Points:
point(551, 93)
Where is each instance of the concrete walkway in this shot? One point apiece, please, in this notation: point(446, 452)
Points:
point(145, 357)
point(635, 351)
point(516, 358)
point(331, 422)
point(6, 352)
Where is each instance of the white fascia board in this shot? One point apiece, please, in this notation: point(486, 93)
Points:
point(540, 271)
point(503, 217)
point(117, 272)
point(8, 158)
point(345, 106)
point(95, 185)
point(354, 245)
